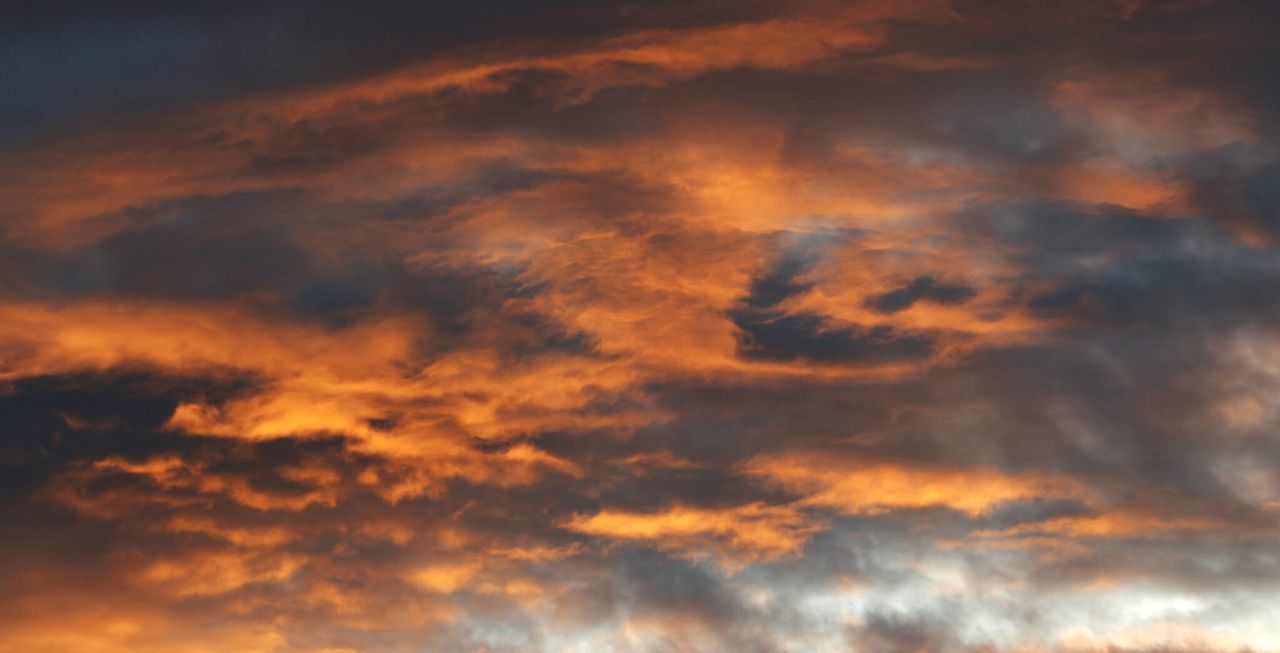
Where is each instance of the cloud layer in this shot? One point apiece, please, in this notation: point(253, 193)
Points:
point(864, 326)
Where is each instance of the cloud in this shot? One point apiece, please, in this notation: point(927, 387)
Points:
point(670, 326)
point(750, 531)
point(857, 487)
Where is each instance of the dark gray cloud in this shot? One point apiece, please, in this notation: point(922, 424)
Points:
point(922, 288)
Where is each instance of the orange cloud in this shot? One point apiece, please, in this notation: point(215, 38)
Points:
point(173, 483)
point(1115, 523)
point(754, 531)
point(320, 381)
point(444, 497)
point(70, 191)
point(870, 487)
point(216, 573)
point(444, 578)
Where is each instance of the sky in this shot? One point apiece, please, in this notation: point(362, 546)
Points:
point(870, 326)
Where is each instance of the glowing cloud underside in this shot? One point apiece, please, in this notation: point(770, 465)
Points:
point(767, 327)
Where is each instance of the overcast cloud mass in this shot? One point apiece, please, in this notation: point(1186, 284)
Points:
point(875, 326)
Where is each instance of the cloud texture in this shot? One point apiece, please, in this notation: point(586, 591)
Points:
point(873, 326)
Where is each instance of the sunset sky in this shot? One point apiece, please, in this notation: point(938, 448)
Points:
point(688, 326)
